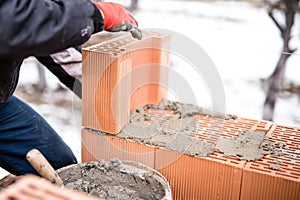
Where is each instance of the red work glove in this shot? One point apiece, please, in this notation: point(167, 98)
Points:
point(117, 18)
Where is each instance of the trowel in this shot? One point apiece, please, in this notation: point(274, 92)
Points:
point(43, 167)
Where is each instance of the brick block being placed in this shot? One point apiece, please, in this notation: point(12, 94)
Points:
point(122, 74)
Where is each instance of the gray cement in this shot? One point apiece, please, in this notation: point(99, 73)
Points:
point(249, 146)
point(172, 132)
point(175, 132)
point(112, 180)
point(275, 167)
point(188, 110)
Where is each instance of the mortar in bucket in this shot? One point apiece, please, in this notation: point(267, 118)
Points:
point(116, 180)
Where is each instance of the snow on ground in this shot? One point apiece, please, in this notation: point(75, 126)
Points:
point(240, 39)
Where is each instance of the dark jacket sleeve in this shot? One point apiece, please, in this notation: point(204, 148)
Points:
point(42, 27)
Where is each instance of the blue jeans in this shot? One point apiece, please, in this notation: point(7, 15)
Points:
point(22, 129)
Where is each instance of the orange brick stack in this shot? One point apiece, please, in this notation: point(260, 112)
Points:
point(122, 74)
point(215, 176)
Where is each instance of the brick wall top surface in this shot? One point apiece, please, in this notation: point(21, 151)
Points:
point(289, 163)
point(210, 129)
point(117, 46)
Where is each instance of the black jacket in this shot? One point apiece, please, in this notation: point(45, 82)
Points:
point(39, 28)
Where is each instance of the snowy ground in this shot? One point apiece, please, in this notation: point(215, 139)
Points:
point(240, 39)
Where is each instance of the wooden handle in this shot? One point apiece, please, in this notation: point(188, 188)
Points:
point(43, 167)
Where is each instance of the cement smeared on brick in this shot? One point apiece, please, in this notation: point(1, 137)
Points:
point(112, 180)
point(188, 110)
point(248, 146)
point(173, 132)
point(275, 167)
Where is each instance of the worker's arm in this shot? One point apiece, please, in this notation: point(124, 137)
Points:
point(43, 27)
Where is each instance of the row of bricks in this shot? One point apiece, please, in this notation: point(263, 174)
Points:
point(122, 74)
point(216, 176)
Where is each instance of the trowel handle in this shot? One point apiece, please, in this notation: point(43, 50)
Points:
point(43, 167)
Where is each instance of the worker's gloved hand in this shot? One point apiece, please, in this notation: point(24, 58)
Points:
point(117, 18)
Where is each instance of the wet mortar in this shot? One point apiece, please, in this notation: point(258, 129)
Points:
point(174, 132)
point(188, 110)
point(248, 146)
point(112, 180)
point(275, 167)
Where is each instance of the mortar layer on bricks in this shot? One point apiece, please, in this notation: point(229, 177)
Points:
point(191, 175)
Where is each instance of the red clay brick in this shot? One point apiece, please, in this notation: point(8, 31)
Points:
point(96, 146)
point(213, 177)
point(113, 72)
point(262, 182)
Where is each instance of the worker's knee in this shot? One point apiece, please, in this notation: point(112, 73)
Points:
point(22, 129)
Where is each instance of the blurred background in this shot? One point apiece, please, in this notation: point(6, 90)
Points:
point(253, 44)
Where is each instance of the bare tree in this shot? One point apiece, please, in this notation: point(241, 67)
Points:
point(288, 9)
point(42, 83)
point(133, 5)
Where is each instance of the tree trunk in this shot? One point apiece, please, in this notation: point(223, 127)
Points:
point(278, 75)
point(133, 5)
point(42, 83)
point(273, 87)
